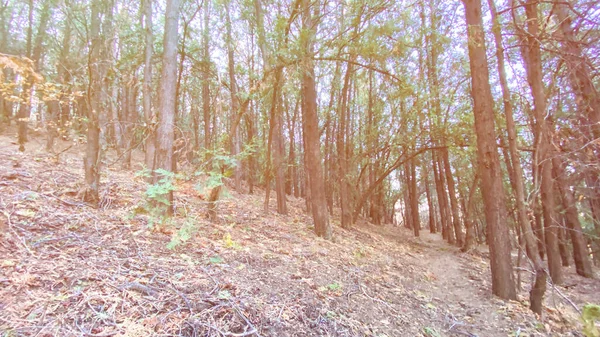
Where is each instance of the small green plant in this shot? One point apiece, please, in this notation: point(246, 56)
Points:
point(216, 260)
point(217, 166)
point(359, 253)
point(224, 295)
point(431, 332)
point(183, 234)
point(591, 314)
point(156, 200)
point(334, 287)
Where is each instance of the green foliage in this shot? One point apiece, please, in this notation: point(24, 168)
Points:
point(155, 197)
point(334, 287)
point(216, 260)
point(219, 165)
point(431, 332)
point(591, 314)
point(224, 295)
point(183, 234)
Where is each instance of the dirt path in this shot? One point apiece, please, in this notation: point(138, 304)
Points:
point(455, 287)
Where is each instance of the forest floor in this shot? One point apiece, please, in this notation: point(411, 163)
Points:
point(67, 269)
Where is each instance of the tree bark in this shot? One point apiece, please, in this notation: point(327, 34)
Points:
point(453, 201)
point(537, 293)
point(205, 77)
point(450, 235)
point(344, 188)
point(441, 197)
point(235, 105)
point(167, 92)
point(414, 198)
point(311, 129)
point(533, 66)
point(503, 284)
point(147, 86)
point(35, 55)
point(430, 204)
point(581, 256)
point(92, 160)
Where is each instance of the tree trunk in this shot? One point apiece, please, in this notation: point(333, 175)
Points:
point(275, 138)
point(205, 77)
point(468, 214)
point(446, 204)
point(583, 265)
point(533, 66)
point(92, 159)
point(453, 201)
point(35, 55)
point(538, 290)
point(587, 99)
point(430, 204)
point(310, 125)
point(147, 86)
point(344, 186)
point(235, 106)
point(166, 116)
point(441, 197)
point(51, 125)
point(414, 198)
point(130, 118)
point(503, 284)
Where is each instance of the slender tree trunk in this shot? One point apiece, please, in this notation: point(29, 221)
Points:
point(503, 284)
point(345, 200)
point(275, 137)
point(563, 241)
point(92, 159)
point(205, 77)
point(431, 205)
point(537, 292)
point(453, 201)
point(35, 55)
point(440, 196)
point(533, 64)
point(64, 74)
point(147, 86)
point(130, 112)
point(587, 99)
point(414, 198)
point(450, 236)
point(468, 215)
point(279, 160)
point(167, 93)
point(310, 124)
point(583, 265)
point(235, 106)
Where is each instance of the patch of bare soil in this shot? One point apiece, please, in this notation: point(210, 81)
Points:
point(67, 269)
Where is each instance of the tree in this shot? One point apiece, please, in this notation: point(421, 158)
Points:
point(503, 284)
point(167, 94)
point(147, 84)
point(310, 125)
point(34, 52)
point(537, 292)
point(543, 154)
point(93, 159)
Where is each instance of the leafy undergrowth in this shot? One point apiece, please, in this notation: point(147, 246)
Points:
point(71, 270)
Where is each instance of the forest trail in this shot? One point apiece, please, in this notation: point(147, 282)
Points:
point(71, 270)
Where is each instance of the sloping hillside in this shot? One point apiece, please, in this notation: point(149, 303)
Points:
point(70, 270)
